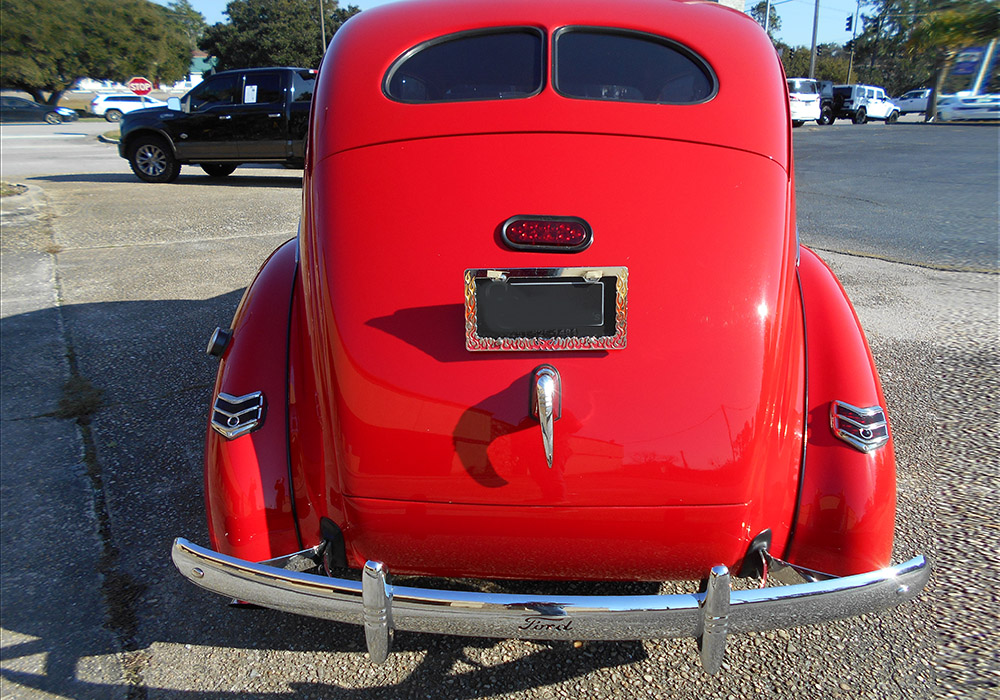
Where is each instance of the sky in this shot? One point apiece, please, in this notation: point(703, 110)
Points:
point(796, 17)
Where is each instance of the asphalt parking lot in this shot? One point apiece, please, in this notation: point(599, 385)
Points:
point(116, 284)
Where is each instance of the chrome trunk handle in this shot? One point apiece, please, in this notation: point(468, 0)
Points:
point(546, 404)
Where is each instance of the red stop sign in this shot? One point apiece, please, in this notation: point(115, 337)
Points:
point(140, 86)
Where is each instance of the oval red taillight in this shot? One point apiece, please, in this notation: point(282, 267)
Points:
point(564, 234)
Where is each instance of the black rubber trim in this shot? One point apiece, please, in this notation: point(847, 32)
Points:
point(288, 413)
point(805, 413)
point(753, 564)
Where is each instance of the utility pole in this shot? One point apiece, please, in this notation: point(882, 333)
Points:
point(322, 25)
point(854, 35)
point(878, 35)
point(812, 55)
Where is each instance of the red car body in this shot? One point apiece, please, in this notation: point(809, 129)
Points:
point(697, 432)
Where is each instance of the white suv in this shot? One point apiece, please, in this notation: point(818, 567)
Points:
point(112, 107)
point(859, 103)
point(803, 100)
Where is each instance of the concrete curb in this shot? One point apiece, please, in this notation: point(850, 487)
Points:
point(23, 206)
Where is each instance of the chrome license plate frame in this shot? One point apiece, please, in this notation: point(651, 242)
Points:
point(483, 331)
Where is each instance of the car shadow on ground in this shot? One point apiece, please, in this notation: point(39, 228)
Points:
point(447, 670)
point(193, 177)
point(144, 443)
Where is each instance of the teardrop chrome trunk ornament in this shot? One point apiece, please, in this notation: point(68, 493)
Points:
point(546, 404)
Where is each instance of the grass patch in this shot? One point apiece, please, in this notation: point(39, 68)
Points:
point(8, 189)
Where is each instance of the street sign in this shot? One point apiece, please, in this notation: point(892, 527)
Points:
point(967, 61)
point(140, 86)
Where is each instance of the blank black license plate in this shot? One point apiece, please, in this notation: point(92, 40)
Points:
point(555, 308)
point(558, 309)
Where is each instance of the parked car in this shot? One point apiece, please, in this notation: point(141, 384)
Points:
point(547, 318)
point(956, 108)
point(112, 107)
point(17, 109)
point(803, 100)
point(912, 101)
point(825, 102)
point(254, 115)
point(859, 103)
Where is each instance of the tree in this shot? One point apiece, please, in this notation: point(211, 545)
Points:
point(880, 55)
point(190, 21)
point(904, 44)
point(41, 45)
point(50, 44)
point(946, 32)
point(831, 61)
point(773, 20)
point(273, 33)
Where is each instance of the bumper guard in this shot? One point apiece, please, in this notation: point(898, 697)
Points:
point(709, 617)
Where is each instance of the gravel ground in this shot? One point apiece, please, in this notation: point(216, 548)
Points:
point(138, 299)
point(934, 335)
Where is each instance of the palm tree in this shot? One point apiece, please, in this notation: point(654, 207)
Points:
point(947, 32)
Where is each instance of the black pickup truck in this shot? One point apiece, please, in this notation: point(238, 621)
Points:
point(254, 115)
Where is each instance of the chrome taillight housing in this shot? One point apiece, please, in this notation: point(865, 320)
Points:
point(864, 429)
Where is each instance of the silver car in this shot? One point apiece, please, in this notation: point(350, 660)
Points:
point(913, 101)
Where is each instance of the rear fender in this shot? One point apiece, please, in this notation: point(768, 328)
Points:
point(251, 514)
point(847, 500)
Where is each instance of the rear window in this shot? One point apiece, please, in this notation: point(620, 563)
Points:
point(599, 64)
point(802, 87)
point(489, 65)
point(303, 85)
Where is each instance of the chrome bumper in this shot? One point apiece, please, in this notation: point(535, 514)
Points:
point(708, 617)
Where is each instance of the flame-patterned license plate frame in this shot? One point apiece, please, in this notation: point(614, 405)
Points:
point(552, 302)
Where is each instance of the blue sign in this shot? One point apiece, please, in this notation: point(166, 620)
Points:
point(968, 60)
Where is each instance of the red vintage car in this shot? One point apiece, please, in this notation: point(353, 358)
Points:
point(547, 318)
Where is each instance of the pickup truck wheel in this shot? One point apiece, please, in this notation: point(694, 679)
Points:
point(796, 123)
point(826, 117)
point(219, 169)
point(52, 118)
point(861, 117)
point(113, 115)
point(152, 160)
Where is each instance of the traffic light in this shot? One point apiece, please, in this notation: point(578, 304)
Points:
point(849, 24)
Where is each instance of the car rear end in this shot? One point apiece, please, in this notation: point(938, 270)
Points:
point(846, 100)
point(680, 403)
point(97, 106)
point(543, 320)
point(803, 100)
